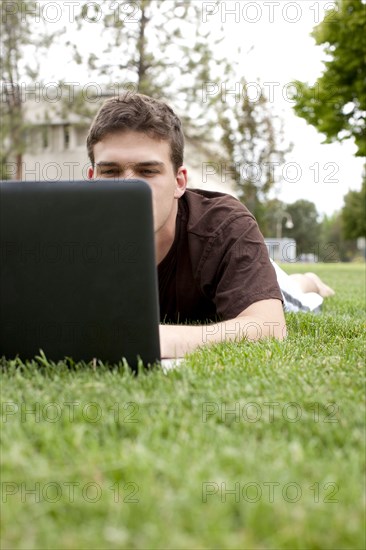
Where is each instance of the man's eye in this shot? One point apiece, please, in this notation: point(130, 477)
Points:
point(148, 172)
point(110, 172)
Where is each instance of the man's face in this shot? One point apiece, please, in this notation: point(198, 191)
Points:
point(131, 155)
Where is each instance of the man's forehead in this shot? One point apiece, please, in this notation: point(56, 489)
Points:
point(131, 147)
point(133, 138)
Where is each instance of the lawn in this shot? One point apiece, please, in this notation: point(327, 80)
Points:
point(245, 445)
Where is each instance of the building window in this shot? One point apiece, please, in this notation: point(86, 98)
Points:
point(45, 140)
point(33, 139)
point(66, 136)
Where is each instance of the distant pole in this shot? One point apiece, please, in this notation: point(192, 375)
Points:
point(289, 224)
point(279, 228)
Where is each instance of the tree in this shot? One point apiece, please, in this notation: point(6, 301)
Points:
point(252, 138)
point(333, 247)
point(19, 32)
point(336, 104)
point(274, 218)
point(159, 48)
point(306, 227)
point(353, 213)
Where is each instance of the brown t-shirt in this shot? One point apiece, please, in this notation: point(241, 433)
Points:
point(218, 264)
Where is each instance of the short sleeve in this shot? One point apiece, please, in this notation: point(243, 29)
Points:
point(244, 274)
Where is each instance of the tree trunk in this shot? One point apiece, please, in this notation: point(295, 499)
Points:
point(19, 162)
point(141, 68)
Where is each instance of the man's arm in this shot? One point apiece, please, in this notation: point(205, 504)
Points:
point(263, 319)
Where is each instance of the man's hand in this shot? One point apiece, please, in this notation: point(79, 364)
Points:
point(263, 319)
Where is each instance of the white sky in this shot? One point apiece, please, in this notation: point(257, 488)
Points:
point(276, 48)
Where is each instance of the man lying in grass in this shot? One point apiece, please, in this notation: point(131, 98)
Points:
point(213, 265)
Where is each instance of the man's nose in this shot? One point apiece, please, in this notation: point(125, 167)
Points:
point(129, 173)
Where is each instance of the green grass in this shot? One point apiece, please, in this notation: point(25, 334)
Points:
point(157, 451)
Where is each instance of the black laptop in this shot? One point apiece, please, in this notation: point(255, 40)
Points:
point(77, 274)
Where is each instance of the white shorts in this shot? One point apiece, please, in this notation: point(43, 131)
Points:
point(294, 299)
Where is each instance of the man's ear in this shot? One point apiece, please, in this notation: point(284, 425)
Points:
point(181, 181)
point(90, 173)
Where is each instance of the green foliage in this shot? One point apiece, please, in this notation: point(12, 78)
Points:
point(306, 227)
point(274, 209)
point(354, 214)
point(333, 245)
point(336, 103)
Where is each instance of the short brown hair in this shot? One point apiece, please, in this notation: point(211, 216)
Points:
point(139, 113)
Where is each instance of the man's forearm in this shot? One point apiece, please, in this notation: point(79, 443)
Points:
point(177, 340)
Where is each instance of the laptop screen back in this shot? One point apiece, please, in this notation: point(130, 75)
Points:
point(78, 276)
